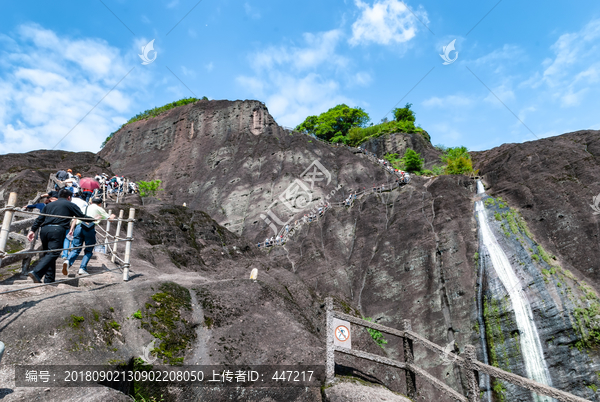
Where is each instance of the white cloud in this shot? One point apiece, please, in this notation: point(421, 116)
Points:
point(251, 11)
point(571, 98)
point(506, 53)
point(450, 101)
point(49, 83)
point(253, 85)
point(298, 81)
point(568, 76)
point(209, 67)
point(319, 48)
point(187, 72)
point(301, 97)
point(571, 49)
point(385, 22)
point(445, 132)
point(361, 78)
point(502, 92)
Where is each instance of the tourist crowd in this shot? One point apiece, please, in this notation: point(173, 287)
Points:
point(68, 218)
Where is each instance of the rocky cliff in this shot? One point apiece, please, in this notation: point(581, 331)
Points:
point(410, 253)
point(27, 174)
point(552, 182)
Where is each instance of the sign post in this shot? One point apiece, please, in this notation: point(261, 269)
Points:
point(341, 334)
point(330, 355)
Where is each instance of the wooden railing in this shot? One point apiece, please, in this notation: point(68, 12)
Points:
point(11, 229)
point(469, 363)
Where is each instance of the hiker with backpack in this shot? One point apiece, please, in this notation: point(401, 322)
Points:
point(85, 232)
point(61, 176)
point(69, 239)
point(52, 233)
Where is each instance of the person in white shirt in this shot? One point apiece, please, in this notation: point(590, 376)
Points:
point(85, 232)
point(83, 206)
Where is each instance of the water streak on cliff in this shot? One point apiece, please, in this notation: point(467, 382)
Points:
point(531, 347)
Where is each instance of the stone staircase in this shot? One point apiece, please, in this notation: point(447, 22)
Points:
point(101, 272)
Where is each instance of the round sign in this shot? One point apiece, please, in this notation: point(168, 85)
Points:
point(342, 333)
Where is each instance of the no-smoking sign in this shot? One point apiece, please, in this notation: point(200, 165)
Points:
point(341, 333)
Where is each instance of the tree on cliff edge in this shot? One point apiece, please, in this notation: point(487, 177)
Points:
point(336, 122)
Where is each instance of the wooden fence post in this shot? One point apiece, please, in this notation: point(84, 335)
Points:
point(126, 264)
point(329, 353)
point(107, 232)
point(118, 231)
point(409, 359)
point(8, 215)
point(472, 384)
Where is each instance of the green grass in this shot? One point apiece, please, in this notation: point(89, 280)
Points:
point(543, 254)
point(13, 246)
point(375, 334)
point(166, 323)
point(114, 325)
point(138, 314)
point(500, 390)
point(76, 321)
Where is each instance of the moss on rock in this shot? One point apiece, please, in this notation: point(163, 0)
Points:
point(164, 319)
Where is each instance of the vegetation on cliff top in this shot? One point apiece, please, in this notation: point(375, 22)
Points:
point(349, 125)
point(411, 161)
point(457, 161)
point(153, 113)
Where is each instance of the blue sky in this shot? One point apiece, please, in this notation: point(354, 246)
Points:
point(526, 70)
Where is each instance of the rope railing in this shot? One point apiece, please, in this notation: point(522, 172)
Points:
point(5, 254)
point(15, 209)
point(9, 228)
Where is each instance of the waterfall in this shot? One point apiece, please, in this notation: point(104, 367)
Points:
point(483, 378)
point(531, 347)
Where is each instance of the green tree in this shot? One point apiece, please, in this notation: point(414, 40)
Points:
point(335, 122)
point(404, 113)
point(458, 161)
point(149, 188)
point(460, 165)
point(412, 161)
point(455, 153)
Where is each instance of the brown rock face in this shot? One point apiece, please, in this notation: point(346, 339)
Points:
point(26, 174)
point(230, 159)
point(404, 254)
point(553, 182)
point(399, 143)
